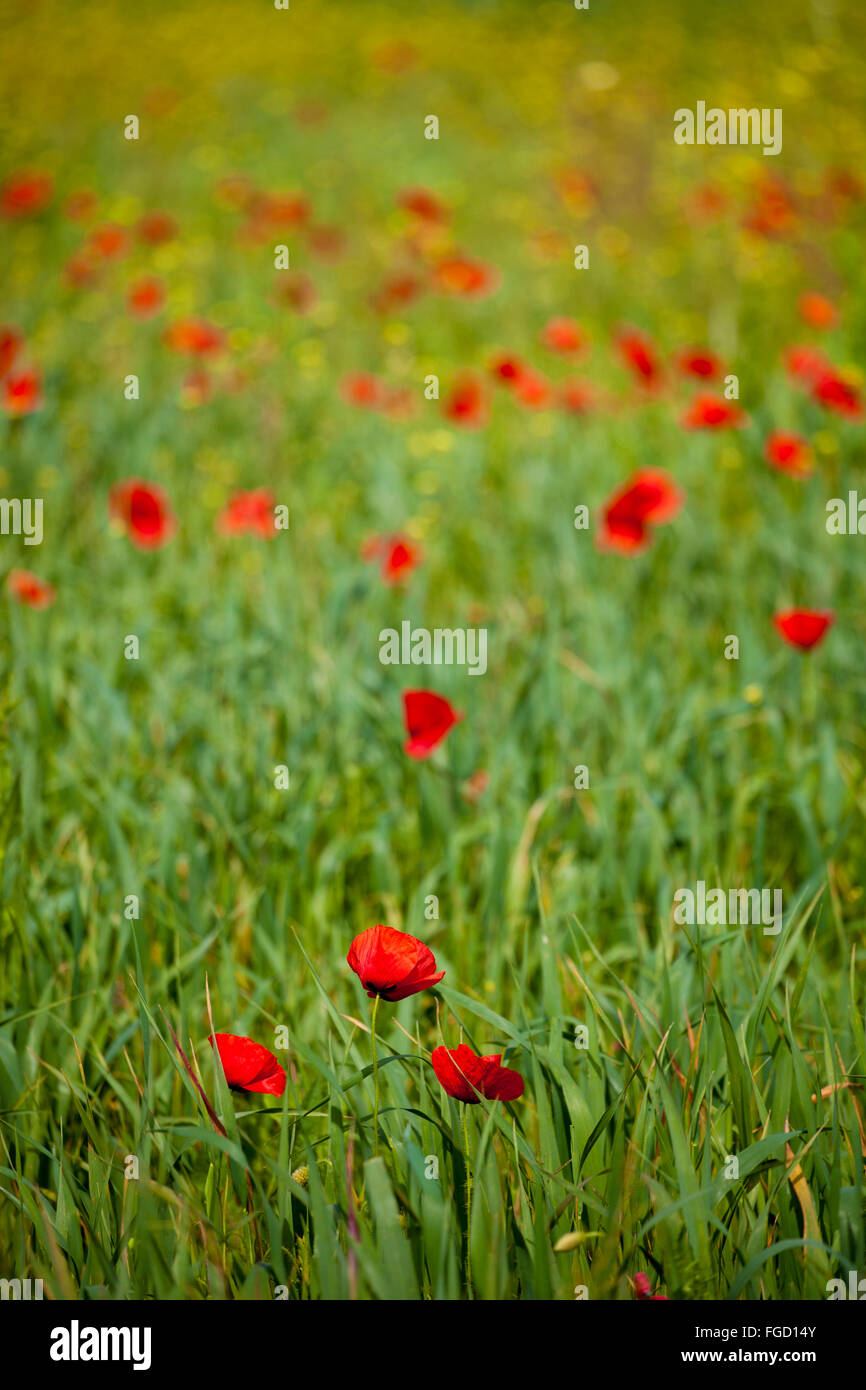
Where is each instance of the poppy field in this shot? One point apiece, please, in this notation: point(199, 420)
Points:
point(432, 670)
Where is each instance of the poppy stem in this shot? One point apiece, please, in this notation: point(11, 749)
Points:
point(375, 1079)
point(468, 1200)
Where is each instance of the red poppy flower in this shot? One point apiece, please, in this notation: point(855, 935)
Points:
point(146, 297)
point(463, 1075)
point(194, 336)
point(507, 368)
point(772, 213)
point(460, 275)
point(11, 343)
point(249, 513)
point(326, 242)
point(248, 1066)
point(639, 355)
point(397, 291)
point(399, 556)
point(649, 498)
point(563, 335)
point(831, 390)
point(145, 512)
point(467, 403)
point(576, 396)
point(25, 192)
point(713, 413)
point(817, 311)
point(156, 227)
point(423, 204)
point(392, 964)
point(699, 362)
point(533, 390)
point(196, 388)
point(108, 241)
point(805, 363)
point(643, 1292)
point(803, 627)
point(281, 209)
point(80, 205)
point(362, 389)
point(706, 202)
point(29, 589)
point(398, 402)
point(789, 453)
point(428, 717)
point(22, 392)
point(295, 290)
point(81, 270)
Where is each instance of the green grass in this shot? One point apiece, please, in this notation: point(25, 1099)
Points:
point(156, 777)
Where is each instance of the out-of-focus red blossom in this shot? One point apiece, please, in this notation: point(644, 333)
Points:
point(398, 402)
point(429, 718)
point(463, 1074)
point(311, 113)
point(25, 193)
point(326, 241)
point(108, 241)
point(11, 343)
point(22, 392)
point(235, 191)
point(156, 227)
point(803, 627)
point(420, 202)
point(399, 556)
point(144, 510)
point(565, 336)
point(706, 203)
point(146, 297)
point(460, 275)
point(27, 588)
point(844, 186)
point(533, 390)
point(699, 362)
point(467, 402)
point(639, 355)
point(649, 498)
point(708, 412)
point(80, 205)
point(772, 212)
point(296, 290)
point(248, 1066)
point(643, 1291)
point(832, 390)
point(362, 389)
point(507, 368)
point(475, 786)
point(397, 291)
point(249, 514)
point(197, 387)
point(576, 188)
point(81, 270)
point(281, 209)
point(194, 336)
point(816, 310)
point(789, 453)
point(575, 396)
point(392, 964)
point(804, 363)
point(395, 57)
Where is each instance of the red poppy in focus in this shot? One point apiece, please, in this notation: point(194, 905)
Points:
point(803, 627)
point(467, 403)
point(248, 1066)
point(805, 363)
point(576, 396)
point(564, 335)
point(362, 389)
point(428, 718)
point(464, 1075)
point(817, 311)
point(399, 556)
point(146, 297)
point(194, 336)
point(80, 205)
point(156, 227)
point(713, 413)
point(649, 498)
point(22, 392)
point(699, 362)
point(789, 453)
point(643, 1292)
point(145, 512)
point(423, 204)
point(108, 241)
point(249, 513)
point(831, 390)
point(461, 276)
point(25, 192)
point(11, 343)
point(29, 589)
point(392, 964)
point(639, 355)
